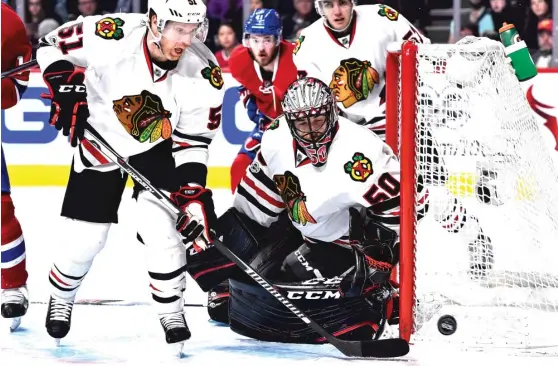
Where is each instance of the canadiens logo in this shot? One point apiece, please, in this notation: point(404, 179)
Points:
point(266, 87)
point(388, 12)
point(143, 116)
point(353, 81)
point(110, 28)
point(359, 168)
point(213, 74)
point(291, 193)
point(298, 44)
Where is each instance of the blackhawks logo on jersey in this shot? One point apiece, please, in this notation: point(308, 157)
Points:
point(359, 168)
point(110, 28)
point(386, 11)
point(213, 74)
point(291, 193)
point(143, 116)
point(298, 44)
point(353, 81)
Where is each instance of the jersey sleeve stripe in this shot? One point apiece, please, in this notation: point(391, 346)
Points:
point(182, 137)
point(262, 178)
point(262, 194)
point(254, 202)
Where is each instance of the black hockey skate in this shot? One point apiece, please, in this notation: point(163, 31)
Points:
point(14, 305)
point(175, 327)
point(58, 317)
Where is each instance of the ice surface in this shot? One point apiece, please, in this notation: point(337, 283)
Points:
point(131, 334)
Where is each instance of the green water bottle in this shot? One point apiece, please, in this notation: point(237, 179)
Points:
point(517, 51)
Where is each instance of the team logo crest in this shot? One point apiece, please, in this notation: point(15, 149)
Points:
point(353, 81)
point(359, 168)
point(110, 28)
point(291, 193)
point(143, 116)
point(213, 74)
point(298, 44)
point(386, 11)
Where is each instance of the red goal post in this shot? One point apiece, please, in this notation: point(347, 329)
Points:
point(406, 72)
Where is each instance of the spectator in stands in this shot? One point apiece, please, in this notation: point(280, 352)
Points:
point(469, 29)
point(35, 13)
point(227, 40)
point(88, 7)
point(304, 16)
point(479, 15)
point(501, 12)
point(256, 4)
point(539, 10)
point(543, 56)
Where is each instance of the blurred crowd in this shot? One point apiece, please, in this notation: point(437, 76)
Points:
point(532, 18)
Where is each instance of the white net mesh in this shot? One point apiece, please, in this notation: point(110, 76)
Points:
point(487, 252)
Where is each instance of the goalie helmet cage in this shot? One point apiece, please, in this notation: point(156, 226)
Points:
point(458, 119)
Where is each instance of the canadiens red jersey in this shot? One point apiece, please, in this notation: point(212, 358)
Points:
point(16, 50)
point(268, 96)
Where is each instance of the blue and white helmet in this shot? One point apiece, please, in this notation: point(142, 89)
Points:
point(263, 22)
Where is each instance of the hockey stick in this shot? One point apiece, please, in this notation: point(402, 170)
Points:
point(20, 68)
point(394, 347)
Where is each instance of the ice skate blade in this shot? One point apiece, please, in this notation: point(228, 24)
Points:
point(177, 349)
point(16, 322)
point(57, 342)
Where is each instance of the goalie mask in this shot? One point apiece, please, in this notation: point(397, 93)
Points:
point(311, 114)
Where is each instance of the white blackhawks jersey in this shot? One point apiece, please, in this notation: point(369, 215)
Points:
point(361, 171)
point(354, 67)
point(134, 104)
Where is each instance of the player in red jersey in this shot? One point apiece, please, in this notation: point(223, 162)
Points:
point(16, 50)
point(264, 68)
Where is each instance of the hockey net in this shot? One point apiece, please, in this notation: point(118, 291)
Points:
point(486, 253)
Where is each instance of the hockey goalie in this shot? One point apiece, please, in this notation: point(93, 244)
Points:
point(317, 213)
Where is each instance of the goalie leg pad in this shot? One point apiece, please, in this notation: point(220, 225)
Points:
point(209, 267)
point(256, 314)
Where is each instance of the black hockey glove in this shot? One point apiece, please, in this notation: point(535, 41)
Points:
point(376, 250)
point(199, 221)
point(68, 111)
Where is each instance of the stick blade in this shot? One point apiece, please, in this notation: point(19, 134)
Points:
point(384, 348)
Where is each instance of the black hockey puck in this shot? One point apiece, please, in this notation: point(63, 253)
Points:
point(447, 325)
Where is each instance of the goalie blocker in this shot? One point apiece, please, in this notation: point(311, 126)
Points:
point(280, 254)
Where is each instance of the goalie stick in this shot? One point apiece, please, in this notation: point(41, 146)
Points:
point(383, 348)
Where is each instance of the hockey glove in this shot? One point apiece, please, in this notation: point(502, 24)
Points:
point(68, 111)
point(376, 250)
point(198, 223)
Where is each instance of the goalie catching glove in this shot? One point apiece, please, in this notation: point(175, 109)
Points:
point(197, 224)
point(376, 250)
point(68, 110)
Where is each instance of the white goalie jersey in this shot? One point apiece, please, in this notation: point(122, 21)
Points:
point(133, 104)
point(354, 67)
point(361, 172)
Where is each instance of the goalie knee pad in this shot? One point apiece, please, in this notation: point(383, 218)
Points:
point(255, 313)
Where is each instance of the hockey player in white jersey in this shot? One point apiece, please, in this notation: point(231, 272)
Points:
point(347, 48)
point(153, 91)
point(337, 186)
